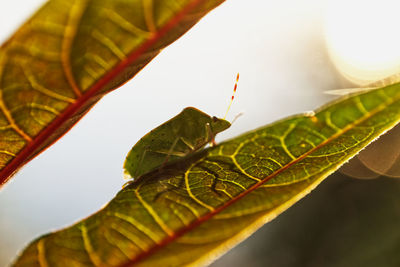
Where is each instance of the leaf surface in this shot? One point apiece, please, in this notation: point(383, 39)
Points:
point(68, 55)
point(196, 209)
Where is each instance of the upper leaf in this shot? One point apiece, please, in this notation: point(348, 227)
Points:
point(194, 210)
point(68, 55)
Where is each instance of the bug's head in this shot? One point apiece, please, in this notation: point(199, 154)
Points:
point(218, 125)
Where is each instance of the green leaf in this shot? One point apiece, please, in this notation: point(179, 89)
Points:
point(68, 55)
point(195, 210)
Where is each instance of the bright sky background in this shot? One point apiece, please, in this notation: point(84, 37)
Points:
point(277, 46)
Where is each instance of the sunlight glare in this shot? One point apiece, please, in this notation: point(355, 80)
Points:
point(362, 38)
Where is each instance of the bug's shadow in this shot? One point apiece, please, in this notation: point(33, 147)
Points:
point(176, 168)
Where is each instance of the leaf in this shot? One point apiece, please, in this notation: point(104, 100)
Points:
point(312, 233)
point(68, 55)
point(195, 210)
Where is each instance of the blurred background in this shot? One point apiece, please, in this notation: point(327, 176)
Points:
point(288, 54)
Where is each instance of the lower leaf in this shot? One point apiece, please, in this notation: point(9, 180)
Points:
point(191, 212)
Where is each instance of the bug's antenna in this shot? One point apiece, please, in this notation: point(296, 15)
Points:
point(233, 95)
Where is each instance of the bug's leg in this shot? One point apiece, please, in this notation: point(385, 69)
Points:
point(187, 143)
point(127, 183)
point(175, 153)
point(141, 161)
point(213, 143)
point(210, 137)
point(169, 153)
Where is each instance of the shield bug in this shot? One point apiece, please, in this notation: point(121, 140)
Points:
point(187, 132)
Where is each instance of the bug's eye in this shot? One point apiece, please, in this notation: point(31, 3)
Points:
point(215, 119)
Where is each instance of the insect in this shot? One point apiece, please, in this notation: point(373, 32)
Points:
point(187, 132)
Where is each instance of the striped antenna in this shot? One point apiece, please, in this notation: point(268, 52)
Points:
point(233, 95)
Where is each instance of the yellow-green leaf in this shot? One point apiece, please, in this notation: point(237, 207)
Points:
point(194, 210)
point(68, 55)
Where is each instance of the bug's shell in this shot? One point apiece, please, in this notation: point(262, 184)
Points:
point(185, 133)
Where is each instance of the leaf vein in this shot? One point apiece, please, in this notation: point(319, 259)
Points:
point(116, 244)
point(7, 153)
point(311, 131)
point(328, 120)
point(4, 108)
point(188, 207)
point(233, 157)
point(75, 15)
point(283, 143)
point(360, 105)
point(94, 258)
point(189, 191)
point(98, 60)
point(10, 119)
point(40, 88)
point(149, 15)
point(109, 44)
point(42, 253)
point(153, 214)
point(140, 227)
point(124, 24)
point(35, 106)
point(35, 52)
point(5, 128)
